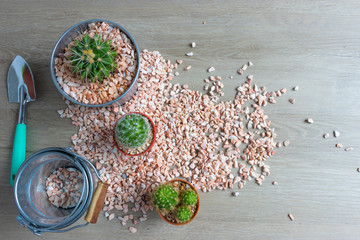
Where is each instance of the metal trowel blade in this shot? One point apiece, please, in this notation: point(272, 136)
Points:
point(20, 75)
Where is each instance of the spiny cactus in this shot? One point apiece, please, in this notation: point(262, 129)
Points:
point(189, 198)
point(92, 58)
point(183, 214)
point(165, 197)
point(132, 130)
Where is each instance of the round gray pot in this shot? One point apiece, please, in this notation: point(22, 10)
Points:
point(64, 41)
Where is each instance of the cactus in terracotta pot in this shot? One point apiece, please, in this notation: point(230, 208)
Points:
point(132, 130)
point(177, 201)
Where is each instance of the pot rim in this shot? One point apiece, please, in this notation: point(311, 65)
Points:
point(152, 141)
point(80, 208)
point(198, 204)
point(52, 61)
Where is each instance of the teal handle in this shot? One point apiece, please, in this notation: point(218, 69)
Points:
point(19, 150)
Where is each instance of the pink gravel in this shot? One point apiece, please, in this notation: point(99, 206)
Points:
point(64, 186)
point(199, 138)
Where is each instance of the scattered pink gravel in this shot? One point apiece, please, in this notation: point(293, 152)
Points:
point(213, 144)
point(132, 229)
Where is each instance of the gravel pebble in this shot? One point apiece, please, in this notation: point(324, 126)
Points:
point(291, 217)
point(336, 133)
point(242, 69)
point(309, 120)
point(60, 112)
point(187, 68)
point(338, 145)
point(193, 44)
point(275, 183)
point(211, 69)
point(132, 229)
point(189, 54)
point(296, 88)
point(111, 216)
point(349, 149)
point(142, 219)
point(286, 143)
point(292, 100)
point(235, 194)
point(326, 135)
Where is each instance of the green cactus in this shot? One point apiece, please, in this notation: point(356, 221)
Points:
point(189, 198)
point(165, 197)
point(92, 58)
point(132, 130)
point(183, 214)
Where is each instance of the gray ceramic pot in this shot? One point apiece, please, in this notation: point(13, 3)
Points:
point(75, 31)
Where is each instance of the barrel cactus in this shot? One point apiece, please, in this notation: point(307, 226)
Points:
point(132, 130)
point(189, 198)
point(177, 201)
point(183, 214)
point(165, 197)
point(92, 58)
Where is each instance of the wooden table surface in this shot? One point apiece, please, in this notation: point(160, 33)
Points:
point(312, 44)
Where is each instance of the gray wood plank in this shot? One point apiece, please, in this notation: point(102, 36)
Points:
point(312, 44)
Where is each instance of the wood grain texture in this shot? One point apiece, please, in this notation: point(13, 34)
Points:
point(312, 44)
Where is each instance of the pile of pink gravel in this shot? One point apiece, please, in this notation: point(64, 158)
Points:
point(213, 144)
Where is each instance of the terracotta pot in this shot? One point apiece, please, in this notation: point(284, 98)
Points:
point(198, 204)
point(152, 142)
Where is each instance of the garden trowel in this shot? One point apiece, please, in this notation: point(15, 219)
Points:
point(21, 89)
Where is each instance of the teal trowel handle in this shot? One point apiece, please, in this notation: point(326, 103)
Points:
point(19, 150)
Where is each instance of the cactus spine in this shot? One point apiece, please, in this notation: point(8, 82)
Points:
point(183, 214)
point(175, 202)
point(92, 58)
point(133, 130)
point(165, 197)
point(189, 197)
